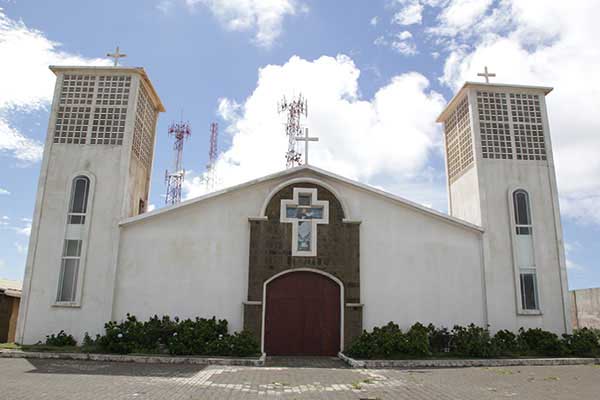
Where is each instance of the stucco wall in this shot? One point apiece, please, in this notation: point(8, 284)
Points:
point(43, 317)
point(503, 177)
point(193, 261)
point(585, 306)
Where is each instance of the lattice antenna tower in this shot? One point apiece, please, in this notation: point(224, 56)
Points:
point(174, 179)
point(211, 174)
point(295, 109)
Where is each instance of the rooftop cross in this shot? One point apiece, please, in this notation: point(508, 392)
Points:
point(116, 55)
point(306, 139)
point(486, 74)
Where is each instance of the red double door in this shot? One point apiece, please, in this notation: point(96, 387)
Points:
point(302, 315)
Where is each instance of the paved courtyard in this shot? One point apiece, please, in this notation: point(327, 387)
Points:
point(287, 379)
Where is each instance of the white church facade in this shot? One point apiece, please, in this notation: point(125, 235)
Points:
point(303, 259)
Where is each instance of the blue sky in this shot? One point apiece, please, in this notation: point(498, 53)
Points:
point(376, 74)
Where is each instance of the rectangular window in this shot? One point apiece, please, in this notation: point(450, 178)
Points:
point(69, 271)
point(529, 300)
point(304, 235)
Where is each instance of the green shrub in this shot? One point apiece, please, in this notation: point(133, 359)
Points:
point(439, 339)
point(505, 343)
point(165, 335)
point(472, 341)
point(417, 341)
point(583, 342)
point(540, 342)
point(60, 339)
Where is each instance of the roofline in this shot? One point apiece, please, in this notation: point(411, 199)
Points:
point(417, 207)
point(138, 70)
point(442, 117)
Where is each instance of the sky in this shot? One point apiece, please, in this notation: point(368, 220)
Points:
point(376, 74)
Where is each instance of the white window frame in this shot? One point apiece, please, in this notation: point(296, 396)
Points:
point(295, 201)
point(62, 270)
point(516, 268)
point(76, 232)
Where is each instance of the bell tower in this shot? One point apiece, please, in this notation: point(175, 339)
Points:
point(95, 172)
point(500, 175)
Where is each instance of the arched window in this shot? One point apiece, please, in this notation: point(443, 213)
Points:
point(79, 198)
point(525, 250)
point(73, 243)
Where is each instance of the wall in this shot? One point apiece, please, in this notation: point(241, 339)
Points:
point(114, 195)
point(585, 308)
point(193, 260)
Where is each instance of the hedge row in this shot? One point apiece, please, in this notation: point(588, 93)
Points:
point(422, 341)
point(208, 337)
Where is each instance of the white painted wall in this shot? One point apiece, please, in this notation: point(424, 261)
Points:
point(193, 260)
point(114, 188)
point(487, 186)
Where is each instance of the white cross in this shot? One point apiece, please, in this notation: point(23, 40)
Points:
point(304, 212)
point(116, 55)
point(486, 74)
point(306, 139)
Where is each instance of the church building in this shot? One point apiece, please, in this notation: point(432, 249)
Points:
point(304, 259)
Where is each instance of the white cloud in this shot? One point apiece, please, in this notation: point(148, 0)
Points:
point(547, 43)
point(263, 16)
point(164, 6)
point(228, 109)
point(402, 43)
point(374, 21)
point(4, 191)
point(411, 13)
point(25, 231)
point(21, 248)
point(386, 140)
point(18, 145)
point(457, 14)
point(28, 84)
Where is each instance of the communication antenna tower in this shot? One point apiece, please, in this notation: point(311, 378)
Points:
point(211, 175)
point(295, 109)
point(174, 179)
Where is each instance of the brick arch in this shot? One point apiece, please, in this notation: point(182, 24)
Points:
point(305, 181)
point(338, 255)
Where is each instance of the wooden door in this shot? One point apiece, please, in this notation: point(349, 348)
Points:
point(302, 315)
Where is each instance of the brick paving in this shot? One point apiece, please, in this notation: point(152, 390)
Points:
point(288, 379)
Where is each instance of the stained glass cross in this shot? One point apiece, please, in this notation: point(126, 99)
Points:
point(304, 212)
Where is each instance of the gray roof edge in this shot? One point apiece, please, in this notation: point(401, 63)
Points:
point(417, 207)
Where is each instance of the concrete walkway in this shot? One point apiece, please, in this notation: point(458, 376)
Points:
point(287, 379)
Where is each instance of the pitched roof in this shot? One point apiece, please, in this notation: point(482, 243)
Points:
point(417, 207)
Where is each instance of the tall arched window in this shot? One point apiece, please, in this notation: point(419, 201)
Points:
point(525, 250)
point(73, 243)
point(79, 197)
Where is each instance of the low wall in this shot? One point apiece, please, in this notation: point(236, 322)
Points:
point(585, 308)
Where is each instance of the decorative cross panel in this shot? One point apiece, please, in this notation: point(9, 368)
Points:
point(304, 212)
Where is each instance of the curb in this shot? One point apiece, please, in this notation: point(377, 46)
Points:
point(249, 362)
point(495, 362)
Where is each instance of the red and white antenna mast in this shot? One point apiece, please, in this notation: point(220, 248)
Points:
point(174, 179)
point(295, 109)
point(211, 175)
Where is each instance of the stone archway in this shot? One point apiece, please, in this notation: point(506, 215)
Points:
point(302, 314)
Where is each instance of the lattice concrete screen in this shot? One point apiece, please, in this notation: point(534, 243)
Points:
point(92, 109)
point(459, 147)
point(143, 130)
point(511, 126)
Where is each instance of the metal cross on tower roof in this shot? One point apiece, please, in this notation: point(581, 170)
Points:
point(116, 55)
point(486, 74)
point(306, 139)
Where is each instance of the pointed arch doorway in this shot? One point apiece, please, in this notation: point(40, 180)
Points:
point(302, 314)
